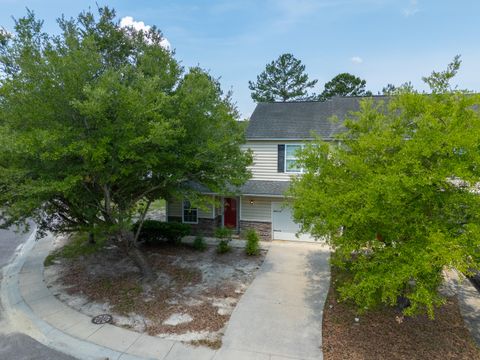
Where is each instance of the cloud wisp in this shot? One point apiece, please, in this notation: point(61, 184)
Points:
point(128, 21)
point(411, 9)
point(356, 59)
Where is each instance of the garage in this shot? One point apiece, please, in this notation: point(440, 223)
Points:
point(284, 228)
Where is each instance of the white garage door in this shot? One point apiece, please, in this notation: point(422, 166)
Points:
point(284, 228)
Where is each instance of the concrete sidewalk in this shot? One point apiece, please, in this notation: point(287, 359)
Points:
point(469, 302)
point(279, 317)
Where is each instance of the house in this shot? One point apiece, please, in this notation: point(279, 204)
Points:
point(274, 134)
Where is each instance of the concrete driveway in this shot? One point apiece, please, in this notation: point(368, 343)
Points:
point(280, 315)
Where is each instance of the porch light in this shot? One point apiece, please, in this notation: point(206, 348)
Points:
point(252, 202)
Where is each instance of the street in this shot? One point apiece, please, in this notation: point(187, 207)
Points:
point(17, 346)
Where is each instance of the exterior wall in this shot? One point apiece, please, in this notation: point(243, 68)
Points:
point(257, 215)
point(260, 210)
point(204, 227)
point(263, 229)
point(265, 154)
point(175, 209)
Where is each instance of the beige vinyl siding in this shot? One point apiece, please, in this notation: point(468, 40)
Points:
point(265, 162)
point(260, 210)
point(206, 212)
point(175, 209)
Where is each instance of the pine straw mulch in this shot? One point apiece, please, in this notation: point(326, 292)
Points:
point(189, 282)
point(378, 335)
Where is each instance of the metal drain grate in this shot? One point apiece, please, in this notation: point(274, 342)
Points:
point(102, 319)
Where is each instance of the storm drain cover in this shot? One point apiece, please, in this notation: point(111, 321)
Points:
point(102, 319)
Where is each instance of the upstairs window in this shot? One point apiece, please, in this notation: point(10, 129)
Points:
point(291, 161)
point(190, 214)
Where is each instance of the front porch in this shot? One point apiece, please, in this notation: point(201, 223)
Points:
point(238, 213)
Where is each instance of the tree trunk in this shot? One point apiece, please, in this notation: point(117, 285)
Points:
point(146, 270)
point(127, 239)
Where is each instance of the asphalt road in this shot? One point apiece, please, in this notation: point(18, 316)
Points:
point(17, 346)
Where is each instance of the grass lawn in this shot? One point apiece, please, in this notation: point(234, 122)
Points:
point(378, 335)
point(76, 246)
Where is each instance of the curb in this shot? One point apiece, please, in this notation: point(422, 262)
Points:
point(31, 308)
point(15, 305)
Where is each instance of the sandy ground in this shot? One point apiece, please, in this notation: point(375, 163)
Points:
point(380, 334)
point(191, 301)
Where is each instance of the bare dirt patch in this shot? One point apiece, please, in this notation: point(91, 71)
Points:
point(379, 335)
point(191, 301)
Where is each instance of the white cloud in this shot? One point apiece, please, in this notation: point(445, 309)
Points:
point(356, 59)
point(128, 21)
point(411, 9)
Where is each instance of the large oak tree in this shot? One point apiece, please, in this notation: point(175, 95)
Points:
point(100, 120)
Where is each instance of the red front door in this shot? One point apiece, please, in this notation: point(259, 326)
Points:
point(230, 213)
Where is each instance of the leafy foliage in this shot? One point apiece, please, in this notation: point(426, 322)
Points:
point(397, 195)
point(153, 231)
point(253, 243)
point(345, 84)
point(282, 80)
point(389, 89)
point(223, 247)
point(225, 236)
point(99, 121)
point(199, 243)
point(223, 233)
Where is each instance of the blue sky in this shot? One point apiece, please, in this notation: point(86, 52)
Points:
point(382, 41)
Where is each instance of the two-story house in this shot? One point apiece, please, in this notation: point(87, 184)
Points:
point(275, 132)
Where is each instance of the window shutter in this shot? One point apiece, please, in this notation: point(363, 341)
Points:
point(281, 158)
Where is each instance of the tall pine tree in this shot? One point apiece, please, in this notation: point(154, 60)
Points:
point(282, 80)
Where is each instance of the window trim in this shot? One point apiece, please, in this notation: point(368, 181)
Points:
point(302, 170)
point(191, 208)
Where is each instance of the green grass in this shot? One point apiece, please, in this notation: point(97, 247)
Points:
point(158, 204)
point(77, 245)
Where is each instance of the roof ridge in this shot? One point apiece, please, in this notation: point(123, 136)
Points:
point(324, 101)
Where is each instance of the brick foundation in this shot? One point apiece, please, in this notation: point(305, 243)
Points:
point(263, 229)
point(204, 227)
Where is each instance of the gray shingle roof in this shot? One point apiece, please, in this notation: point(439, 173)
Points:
point(263, 187)
point(251, 187)
point(296, 120)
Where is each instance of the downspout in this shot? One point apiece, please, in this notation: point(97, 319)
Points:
point(223, 212)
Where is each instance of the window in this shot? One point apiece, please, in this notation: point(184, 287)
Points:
point(291, 165)
point(190, 214)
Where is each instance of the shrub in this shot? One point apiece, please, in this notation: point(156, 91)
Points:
point(199, 243)
point(253, 243)
point(223, 247)
point(154, 231)
point(225, 235)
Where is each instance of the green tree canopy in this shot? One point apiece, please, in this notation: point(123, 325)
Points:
point(397, 195)
point(344, 84)
point(282, 80)
point(98, 121)
point(389, 89)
